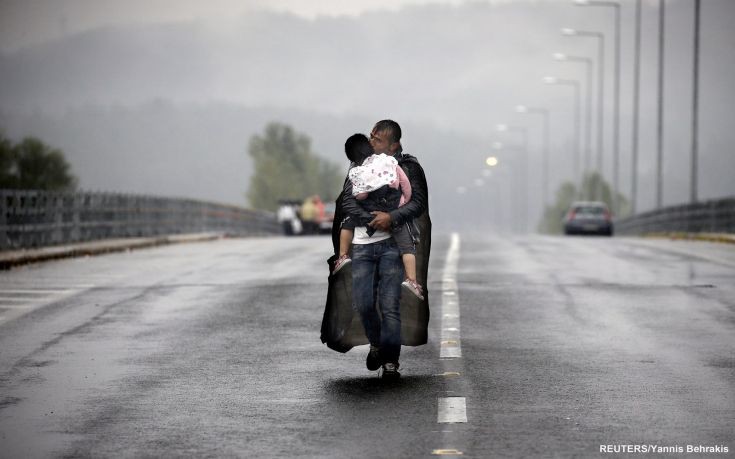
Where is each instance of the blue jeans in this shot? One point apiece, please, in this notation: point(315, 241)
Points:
point(377, 273)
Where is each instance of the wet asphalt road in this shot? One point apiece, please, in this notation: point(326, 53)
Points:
point(212, 350)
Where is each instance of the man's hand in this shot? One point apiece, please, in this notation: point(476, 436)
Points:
point(381, 221)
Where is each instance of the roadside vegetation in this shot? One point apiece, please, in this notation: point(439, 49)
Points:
point(32, 165)
point(286, 168)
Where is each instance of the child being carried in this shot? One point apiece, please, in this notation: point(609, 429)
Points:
point(379, 184)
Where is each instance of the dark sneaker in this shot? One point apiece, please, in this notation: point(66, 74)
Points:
point(413, 287)
point(341, 262)
point(390, 370)
point(373, 359)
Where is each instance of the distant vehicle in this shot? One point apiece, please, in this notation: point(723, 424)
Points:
point(304, 217)
point(588, 217)
point(325, 221)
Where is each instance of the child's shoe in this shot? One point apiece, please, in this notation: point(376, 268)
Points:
point(413, 287)
point(340, 263)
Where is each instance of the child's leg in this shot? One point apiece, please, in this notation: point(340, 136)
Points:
point(345, 241)
point(407, 249)
point(409, 265)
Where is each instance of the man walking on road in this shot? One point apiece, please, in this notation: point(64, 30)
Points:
point(377, 269)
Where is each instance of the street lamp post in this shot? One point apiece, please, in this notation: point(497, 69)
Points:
point(600, 93)
point(660, 125)
point(616, 98)
point(636, 108)
point(508, 173)
point(577, 110)
point(695, 103)
point(524, 185)
point(545, 159)
point(495, 202)
point(588, 109)
point(505, 193)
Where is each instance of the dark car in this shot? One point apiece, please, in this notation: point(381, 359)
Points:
point(588, 218)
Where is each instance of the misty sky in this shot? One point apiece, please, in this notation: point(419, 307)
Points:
point(187, 80)
point(24, 22)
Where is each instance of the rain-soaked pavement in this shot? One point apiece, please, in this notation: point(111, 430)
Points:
point(212, 350)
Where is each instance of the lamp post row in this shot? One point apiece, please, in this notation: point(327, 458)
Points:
point(600, 95)
point(616, 96)
point(523, 131)
point(616, 110)
point(588, 109)
point(545, 159)
point(636, 105)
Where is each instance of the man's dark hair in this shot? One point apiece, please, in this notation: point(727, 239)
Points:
point(357, 148)
point(392, 127)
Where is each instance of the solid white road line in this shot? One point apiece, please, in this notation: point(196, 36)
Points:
point(450, 347)
point(451, 409)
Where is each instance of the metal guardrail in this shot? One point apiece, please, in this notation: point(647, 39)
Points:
point(715, 216)
point(42, 218)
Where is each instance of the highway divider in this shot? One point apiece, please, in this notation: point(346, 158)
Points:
point(712, 220)
point(35, 219)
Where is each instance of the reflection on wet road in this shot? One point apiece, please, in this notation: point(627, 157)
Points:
point(212, 349)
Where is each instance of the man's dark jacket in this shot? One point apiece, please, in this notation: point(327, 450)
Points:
point(341, 325)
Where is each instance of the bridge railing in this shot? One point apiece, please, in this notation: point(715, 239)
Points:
point(42, 218)
point(715, 216)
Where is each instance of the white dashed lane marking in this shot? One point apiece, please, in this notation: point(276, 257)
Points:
point(16, 301)
point(452, 410)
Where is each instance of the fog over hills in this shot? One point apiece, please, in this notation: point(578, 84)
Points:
point(200, 151)
point(169, 108)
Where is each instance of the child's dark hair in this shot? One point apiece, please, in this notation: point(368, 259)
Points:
point(357, 148)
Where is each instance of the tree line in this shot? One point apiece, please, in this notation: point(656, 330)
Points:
point(284, 164)
point(32, 165)
point(286, 168)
